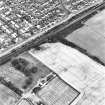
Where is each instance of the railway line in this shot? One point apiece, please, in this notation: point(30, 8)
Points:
point(36, 40)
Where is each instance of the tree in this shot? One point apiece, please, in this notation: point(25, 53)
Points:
point(34, 69)
point(21, 65)
point(36, 89)
point(23, 62)
point(28, 82)
point(49, 77)
point(15, 63)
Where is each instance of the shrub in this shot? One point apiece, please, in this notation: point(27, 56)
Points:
point(36, 89)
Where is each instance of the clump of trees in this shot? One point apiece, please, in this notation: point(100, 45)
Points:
point(23, 66)
point(19, 62)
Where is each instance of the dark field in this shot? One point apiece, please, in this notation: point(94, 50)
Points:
point(91, 36)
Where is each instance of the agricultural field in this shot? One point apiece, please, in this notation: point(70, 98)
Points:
point(7, 97)
point(23, 72)
point(40, 70)
point(24, 102)
point(57, 92)
point(91, 36)
point(76, 69)
point(11, 74)
point(62, 72)
point(97, 23)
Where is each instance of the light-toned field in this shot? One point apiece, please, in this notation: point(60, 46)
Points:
point(10, 73)
point(77, 69)
point(97, 23)
point(7, 97)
